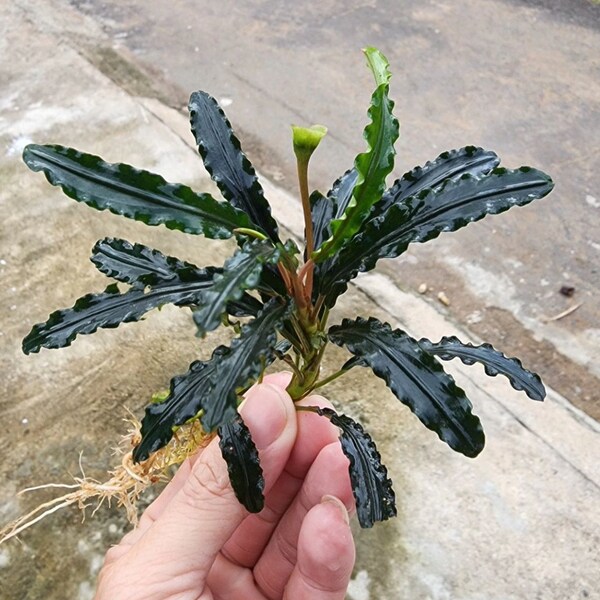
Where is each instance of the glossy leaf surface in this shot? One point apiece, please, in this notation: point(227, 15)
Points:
point(448, 165)
point(246, 306)
point(187, 395)
point(140, 265)
point(372, 488)
point(321, 209)
point(241, 363)
point(243, 465)
point(372, 166)
point(416, 378)
point(212, 386)
point(228, 166)
point(110, 308)
point(240, 272)
point(340, 193)
point(133, 193)
point(271, 282)
point(424, 216)
point(492, 360)
point(325, 209)
point(452, 164)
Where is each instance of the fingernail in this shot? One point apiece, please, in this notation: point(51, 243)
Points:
point(327, 499)
point(265, 414)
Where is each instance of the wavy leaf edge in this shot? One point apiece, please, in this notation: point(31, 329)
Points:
point(527, 381)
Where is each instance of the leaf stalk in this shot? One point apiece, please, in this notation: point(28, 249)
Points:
point(302, 164)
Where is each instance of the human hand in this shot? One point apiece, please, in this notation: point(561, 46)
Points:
point(196, 541)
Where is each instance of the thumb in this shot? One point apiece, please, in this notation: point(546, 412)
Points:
point(204, 513)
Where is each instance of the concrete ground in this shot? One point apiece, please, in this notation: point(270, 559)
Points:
point(520, 521)
point(520, 77)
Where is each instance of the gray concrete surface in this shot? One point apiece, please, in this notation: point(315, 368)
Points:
point(521, 521)
point(519, 77)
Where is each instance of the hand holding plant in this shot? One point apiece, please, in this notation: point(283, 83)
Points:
point(197, 541)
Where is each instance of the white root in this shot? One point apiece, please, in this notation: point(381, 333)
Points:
point(127, 481)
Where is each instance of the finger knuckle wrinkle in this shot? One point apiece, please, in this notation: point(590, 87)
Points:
point(205, 483)
point(287, 548)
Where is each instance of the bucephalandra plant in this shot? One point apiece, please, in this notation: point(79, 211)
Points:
point(277, 297)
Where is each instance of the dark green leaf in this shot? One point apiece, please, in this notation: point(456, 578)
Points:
point(271, 282)
point(240, 272)
point(452, 164)
point(340, 193)
point(322, 212)
point(372, 166)
point(136, 194)
point(493, 361)
point(246, 306)
point(186, 396)
point(448, 165)
point(110, 308)
point(139, 264)
point(325, 209)
point(242, 362)
point(424, 216)
point(354, 361)
point(416, 378)
point(227, 164)
point(212, 386)
point(243, 465)
point(321, 209)
point(372, 488)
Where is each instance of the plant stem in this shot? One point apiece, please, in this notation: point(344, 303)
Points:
point(317, 309)
point(250, 232)
point(288, 360)
point(285, 275)
point(302, 164)
point(299, 331)
point(329, 379)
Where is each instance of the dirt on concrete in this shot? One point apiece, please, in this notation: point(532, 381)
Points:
point(493, 323)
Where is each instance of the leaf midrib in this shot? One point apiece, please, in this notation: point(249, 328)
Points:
point(439, 180)
point(189, 389)
point(234, 180)
point(367, 475)
point(231, 285)
point(395, 237)
point(128, 260)
point(482, 195)
point(99, 309)
point(391, 353)
point(243, 348)
point(232, 168)
point(377, 148)
point(161, 200)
